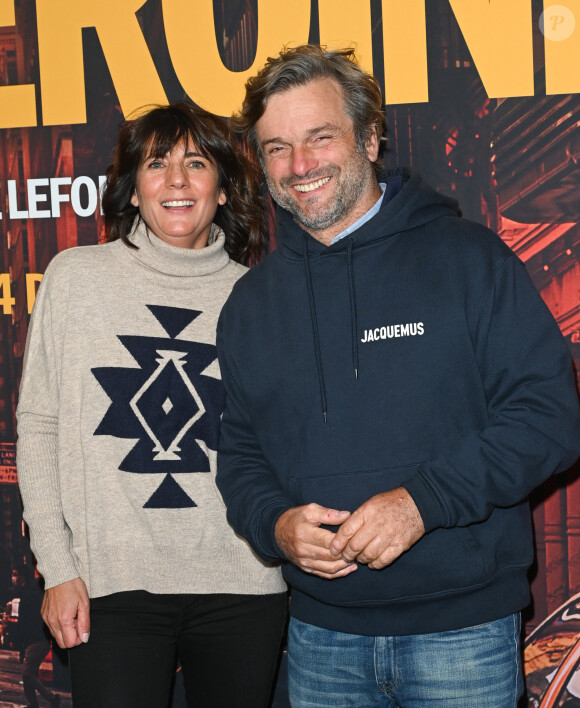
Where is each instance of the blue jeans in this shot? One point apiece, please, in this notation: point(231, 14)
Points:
point(477, 667)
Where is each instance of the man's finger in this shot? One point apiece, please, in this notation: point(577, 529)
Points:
point(310, 553)
point(313, 546)
point(333, 517)
point(339, 574)
point(345, 533)
point(330, 567)
point(389, 555)
point(367, 545)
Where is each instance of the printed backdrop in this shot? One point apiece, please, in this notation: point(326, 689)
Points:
point(482, 96)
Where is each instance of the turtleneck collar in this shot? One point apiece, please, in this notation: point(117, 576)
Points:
point(164, 258)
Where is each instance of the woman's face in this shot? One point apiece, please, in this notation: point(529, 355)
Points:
point(178, 195)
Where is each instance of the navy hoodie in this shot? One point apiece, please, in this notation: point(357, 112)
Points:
point(415, 352)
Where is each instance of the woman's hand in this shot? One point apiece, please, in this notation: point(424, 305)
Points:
point(65, 609)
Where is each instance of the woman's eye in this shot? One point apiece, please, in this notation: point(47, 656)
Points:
point(196, 164)
point(155, 164)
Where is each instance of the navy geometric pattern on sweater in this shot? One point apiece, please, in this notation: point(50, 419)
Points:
point(167, 404)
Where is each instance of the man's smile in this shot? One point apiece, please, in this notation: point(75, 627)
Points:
point(311, 186)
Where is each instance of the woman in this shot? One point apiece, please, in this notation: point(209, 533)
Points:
point(118, 421)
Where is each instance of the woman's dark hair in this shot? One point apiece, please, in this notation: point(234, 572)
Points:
point(155, 133)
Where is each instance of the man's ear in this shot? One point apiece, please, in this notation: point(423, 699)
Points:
point(372, 143)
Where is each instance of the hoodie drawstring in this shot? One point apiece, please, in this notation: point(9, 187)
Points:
point(314, 325)
point(351, 293)
point(314, 319)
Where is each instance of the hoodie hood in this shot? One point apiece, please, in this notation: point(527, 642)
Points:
point(412, 205)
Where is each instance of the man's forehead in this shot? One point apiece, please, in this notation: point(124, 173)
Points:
point(314, 90)
point(304, 108)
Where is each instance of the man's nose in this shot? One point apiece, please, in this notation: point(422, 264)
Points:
point(303, 160)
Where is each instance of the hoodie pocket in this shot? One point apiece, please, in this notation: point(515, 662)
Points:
point(443, 561)
point(348, 490)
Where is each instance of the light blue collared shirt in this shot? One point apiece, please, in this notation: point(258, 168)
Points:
point(364, 218)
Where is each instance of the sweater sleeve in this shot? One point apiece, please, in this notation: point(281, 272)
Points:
point(252, 495)
point(37, 455)
point(533, 426)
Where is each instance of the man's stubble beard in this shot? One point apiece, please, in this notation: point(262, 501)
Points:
point(351, 183)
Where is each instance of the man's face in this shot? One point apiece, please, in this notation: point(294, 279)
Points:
point(311, 160)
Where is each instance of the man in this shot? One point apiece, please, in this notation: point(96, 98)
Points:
point(395, 389)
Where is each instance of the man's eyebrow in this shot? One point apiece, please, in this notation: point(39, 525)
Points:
point(270, 141)
point(309, 133)
point(323, 128)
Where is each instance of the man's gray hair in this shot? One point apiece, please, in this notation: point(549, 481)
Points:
point(298, 66)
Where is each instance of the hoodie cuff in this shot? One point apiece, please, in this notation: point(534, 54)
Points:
point(427, 503)
point(269, 549)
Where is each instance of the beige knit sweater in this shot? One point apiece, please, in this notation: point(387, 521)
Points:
point(118, 418)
